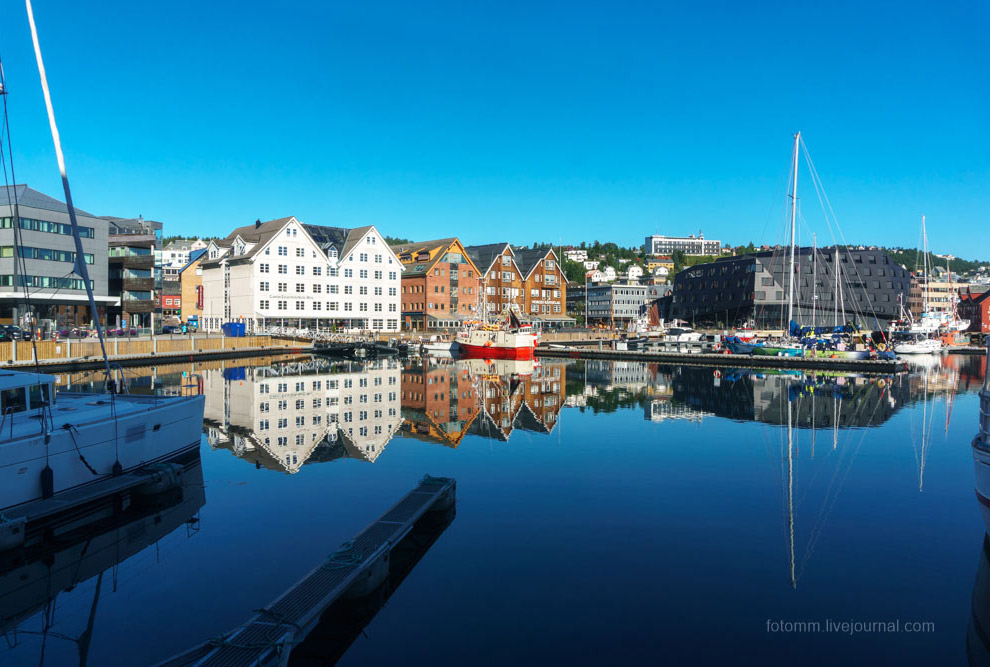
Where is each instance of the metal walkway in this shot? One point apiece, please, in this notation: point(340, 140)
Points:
point(356, 568)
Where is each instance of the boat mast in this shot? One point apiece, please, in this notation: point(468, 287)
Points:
point(924, 265)
point(790, 290)
point(814, 281)
point(80, 266)
point(835, 317)
point(790, 492)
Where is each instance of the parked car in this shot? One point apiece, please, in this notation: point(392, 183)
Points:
point(13, 332)
point(172, 329)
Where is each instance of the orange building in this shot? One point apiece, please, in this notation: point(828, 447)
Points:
point(191, 288)
point(439, 285)
point(529, 282)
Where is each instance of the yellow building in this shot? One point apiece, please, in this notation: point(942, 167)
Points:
point(653, 263)
point(942, 295)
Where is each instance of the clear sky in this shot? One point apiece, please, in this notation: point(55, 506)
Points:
point(512, 121)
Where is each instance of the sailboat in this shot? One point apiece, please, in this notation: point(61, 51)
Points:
point(53, 442)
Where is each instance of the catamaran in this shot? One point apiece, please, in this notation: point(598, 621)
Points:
point(53, 441)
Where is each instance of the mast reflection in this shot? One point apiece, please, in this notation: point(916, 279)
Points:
point(33, 579)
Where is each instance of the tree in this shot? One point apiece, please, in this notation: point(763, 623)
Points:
point(394, 240)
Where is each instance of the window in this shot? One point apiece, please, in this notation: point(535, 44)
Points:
point(300, 305)
point(263, 268)
point(364, 273)
point(264, 304)
point(263, 286)
point(363, 257)
point(317, 270)
point(282, 287)
point(348, 289)
point(300, 288)
point(300, 270)
point(363, 290)
point(283, 251)
point(283, 269)
point(283, 305)
point(333, 289)
point(300, 252)
point(317, 289)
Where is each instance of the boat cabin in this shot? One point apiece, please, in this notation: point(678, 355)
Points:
point(20, 392)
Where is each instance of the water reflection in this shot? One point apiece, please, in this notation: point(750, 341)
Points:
point(283, 416)
point(57, 570)
point(978, 635)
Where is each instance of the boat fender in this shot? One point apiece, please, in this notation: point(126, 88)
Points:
point(882, 347)
point(47, 482)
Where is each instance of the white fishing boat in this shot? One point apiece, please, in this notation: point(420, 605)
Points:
point(52, 442)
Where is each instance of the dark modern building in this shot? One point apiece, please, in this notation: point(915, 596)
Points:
point(132, 280)
point(754, 289)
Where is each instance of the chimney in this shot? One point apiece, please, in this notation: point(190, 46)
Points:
point(257, 223)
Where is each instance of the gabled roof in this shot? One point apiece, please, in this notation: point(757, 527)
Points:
point(436, 248)
point(193, 256)
point(484, 256)
point(341, 238)
point(530, 259)
point(30, 197)
point(259, 234)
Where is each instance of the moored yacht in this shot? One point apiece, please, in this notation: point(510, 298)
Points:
point(53, 441)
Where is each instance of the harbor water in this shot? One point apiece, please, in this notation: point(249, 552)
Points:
point(607, 513)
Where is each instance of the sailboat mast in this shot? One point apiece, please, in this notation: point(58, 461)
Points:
point(924, 264)
point(790, 290)
point(835, 317)
point(814, 281)
point(80, 266)
point(790, 493)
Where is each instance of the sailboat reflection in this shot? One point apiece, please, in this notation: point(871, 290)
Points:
point(285, 415)
point(33, 578)
point(978, 634)
point(445, 400)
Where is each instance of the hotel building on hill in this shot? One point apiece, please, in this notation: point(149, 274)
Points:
point(287, 273)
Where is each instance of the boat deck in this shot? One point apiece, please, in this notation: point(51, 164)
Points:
point(78, 408)
point(270, 634)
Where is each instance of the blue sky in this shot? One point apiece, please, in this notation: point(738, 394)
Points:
point(514, 121)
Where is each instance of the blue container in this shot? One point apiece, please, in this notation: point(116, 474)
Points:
point(236, 373)
point(234, 329)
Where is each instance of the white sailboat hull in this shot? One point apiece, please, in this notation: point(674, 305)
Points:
point(930, 346)
point(146, 430)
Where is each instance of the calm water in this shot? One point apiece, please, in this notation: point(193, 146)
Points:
point(606, 513)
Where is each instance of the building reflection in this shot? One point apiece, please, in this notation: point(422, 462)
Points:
point(282, 416)
point(443, 400)
point(35, 579)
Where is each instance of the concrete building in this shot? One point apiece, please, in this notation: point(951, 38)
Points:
point(942, 295)
point(132, 281)
point(40, 258)
point(286, 273)
point(576, 255)
point(439, 285)
point(753, 289)
point(616, 304)
point(689, 245)
point(178, 253)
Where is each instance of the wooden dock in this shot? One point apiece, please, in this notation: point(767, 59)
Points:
point(877, 367)
point(356, 569)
